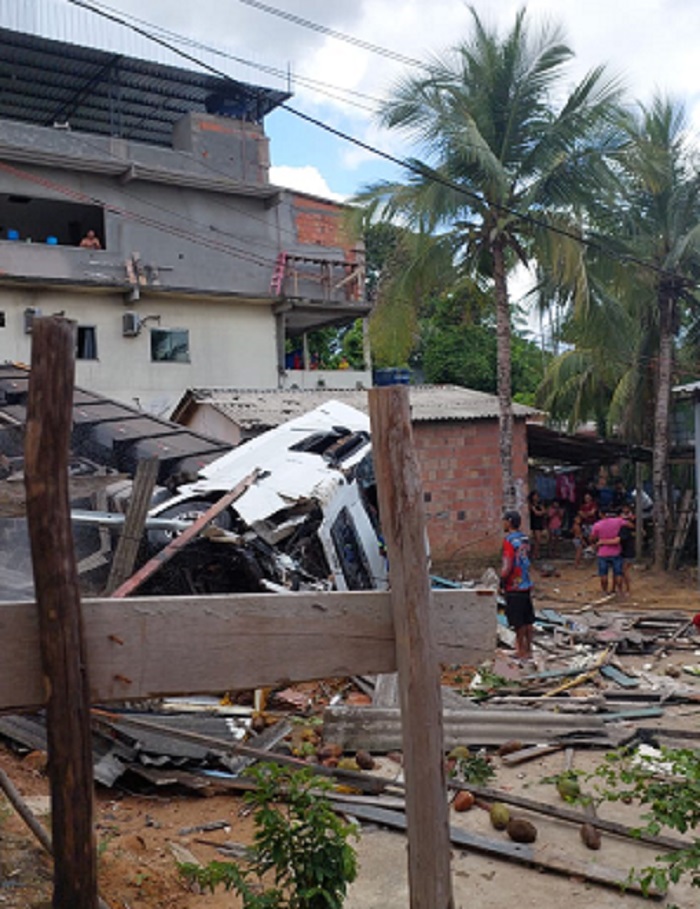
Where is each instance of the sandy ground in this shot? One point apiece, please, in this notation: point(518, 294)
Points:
point(137, 833)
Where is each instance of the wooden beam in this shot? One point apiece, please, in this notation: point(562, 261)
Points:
point(403, 525)
point(563, 813)
point(183, 539)
point(147, 646)
point(63, 655)
point(132, 532)
point(535, 854)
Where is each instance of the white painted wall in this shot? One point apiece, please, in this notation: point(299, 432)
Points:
point(231, 343)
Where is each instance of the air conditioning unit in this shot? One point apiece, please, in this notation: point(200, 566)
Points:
point(30, 314)
point(131, 324)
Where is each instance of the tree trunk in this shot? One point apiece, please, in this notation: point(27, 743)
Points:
point(505, 401)
point(661, 414)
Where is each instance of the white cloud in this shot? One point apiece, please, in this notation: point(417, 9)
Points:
point(304, 179)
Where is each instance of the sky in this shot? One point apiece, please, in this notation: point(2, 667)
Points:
point(650, 44)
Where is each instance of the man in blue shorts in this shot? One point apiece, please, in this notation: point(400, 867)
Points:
point(606, 533)
point(517, 584)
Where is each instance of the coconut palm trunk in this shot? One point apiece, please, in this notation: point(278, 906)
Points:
point(503, 372)
point(661, 429)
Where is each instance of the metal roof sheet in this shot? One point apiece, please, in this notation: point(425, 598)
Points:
point(46, 82)
point(258, 410)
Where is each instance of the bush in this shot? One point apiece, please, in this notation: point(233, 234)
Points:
point(300, 845)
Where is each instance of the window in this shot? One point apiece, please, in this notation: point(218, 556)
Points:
point(170, 345)
point(2, 320)
point(56, 222)
point(349, 550)
point(86, 347)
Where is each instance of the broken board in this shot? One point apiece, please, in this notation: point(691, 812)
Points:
point(149, 647)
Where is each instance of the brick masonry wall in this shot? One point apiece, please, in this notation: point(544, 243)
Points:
point(461, 478)
point(321, 224)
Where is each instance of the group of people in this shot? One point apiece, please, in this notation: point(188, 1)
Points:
point(547, 522)
point(606, 526)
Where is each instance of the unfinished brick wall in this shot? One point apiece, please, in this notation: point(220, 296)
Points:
point(320, 223)
point(462, 486)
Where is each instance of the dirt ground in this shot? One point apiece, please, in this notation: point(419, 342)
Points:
point(141, 834)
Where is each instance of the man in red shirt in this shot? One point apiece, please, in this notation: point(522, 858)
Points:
point(517, 584)
point(606, 533)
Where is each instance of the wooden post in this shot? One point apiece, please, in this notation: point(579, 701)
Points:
point(403, 526)
point(638, 511)
point(132, 532)
point(47, 442)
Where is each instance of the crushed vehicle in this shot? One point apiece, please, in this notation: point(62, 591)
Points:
point(309, 521)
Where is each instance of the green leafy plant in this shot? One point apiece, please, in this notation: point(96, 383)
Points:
point(473, 768)
point(666, 784)
point(300, 857)
point(484, 683)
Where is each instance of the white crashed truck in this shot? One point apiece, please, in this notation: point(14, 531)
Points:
point(309, 521)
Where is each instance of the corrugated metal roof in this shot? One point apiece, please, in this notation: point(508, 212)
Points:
point(258, 410)
point(45, 82)
point(114, 434)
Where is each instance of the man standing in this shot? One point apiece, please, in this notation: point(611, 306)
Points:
point(606, 533)
point(517, 585)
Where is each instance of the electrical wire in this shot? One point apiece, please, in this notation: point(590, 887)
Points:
point(181, 233)
point(335, 92)
point(424, 171)
point(227, 206)
point(341, 36)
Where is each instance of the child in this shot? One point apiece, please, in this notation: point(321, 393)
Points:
point(555, 518)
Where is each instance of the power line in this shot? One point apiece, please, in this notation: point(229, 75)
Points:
point(341, 36)
point(228, 206)
point(323, 88)
point(422, 171)
point(84, 198)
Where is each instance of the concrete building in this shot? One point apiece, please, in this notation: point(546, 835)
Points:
point(455, 431)
point(135, 199)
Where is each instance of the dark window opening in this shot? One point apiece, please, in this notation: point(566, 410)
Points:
point(2, 320)
point(170, 345)
point(427, 497)
point(350, 553)
point(86, 343)
point(49, 221)
point(461, 515)
point(335, 445)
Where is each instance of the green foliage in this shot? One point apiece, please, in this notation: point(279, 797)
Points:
point(300, 858)
point(667, 785)
point(458, 344)
point(474, 768)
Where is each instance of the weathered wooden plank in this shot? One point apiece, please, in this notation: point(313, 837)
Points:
point(564, 813)
point(132, 532)
point(403, 525)
point(60, 633)
point(145, 646)
point(526, 854)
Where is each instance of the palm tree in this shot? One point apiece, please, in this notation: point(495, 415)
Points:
point(662, 208)
point(643, 275)
point(505, 164)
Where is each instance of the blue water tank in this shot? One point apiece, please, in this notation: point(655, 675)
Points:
point(392, 375)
